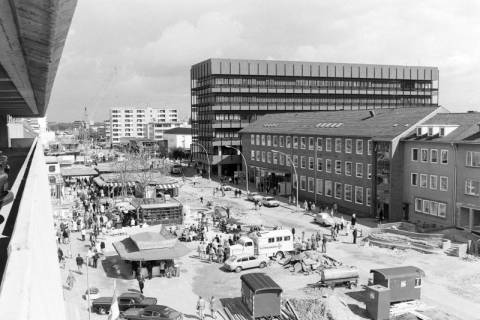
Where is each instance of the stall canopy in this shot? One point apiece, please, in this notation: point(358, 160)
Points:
point(78, 171)
point(149, 246)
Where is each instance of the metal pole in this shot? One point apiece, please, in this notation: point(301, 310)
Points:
point(208, 160)
point(246, 166)
point(287, 157)
point(88, 291)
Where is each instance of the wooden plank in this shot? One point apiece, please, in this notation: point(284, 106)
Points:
point(293, 310)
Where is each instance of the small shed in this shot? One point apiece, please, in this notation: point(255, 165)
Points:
point(261, 295)
point(403, 282)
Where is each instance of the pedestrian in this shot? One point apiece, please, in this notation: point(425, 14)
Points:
point(84, 233)
point(293, 233)
point(70, 280)
point(332, 233)
point(95, 259)
point(335, 208)
point(353, 221)
point(102, 247)
point(79, 261)
point(303, 236)
point(201, 200)
point(201, 308)
point(213, 307)
point(324, 244)
point(354, 235)
point(312, 207)
point(60, 254)
point(305, 205)
point(141, 280)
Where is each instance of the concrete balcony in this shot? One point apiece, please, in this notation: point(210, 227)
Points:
point(31, 285)
point(225, 159)
point(227, 124)
point(225, 142)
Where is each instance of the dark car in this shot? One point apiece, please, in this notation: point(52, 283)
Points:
point(126, 301)
point(156, 312)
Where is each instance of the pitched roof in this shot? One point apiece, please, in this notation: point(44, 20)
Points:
point(385, 123)
point(468, 129)
point(179, 130)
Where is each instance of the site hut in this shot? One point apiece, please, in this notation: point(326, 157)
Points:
point(442, 172)
point(350, 158)
point(392, 285)
point(261, 295)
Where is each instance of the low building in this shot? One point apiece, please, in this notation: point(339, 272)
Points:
point(350, 158)
point(442, 172)
point(180, 137)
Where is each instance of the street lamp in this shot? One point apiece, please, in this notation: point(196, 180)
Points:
point(208, 160)
point(246, 167)
point(294, 169)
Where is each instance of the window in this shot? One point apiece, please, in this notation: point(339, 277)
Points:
point(414, 179)
point(271, 240)
point(338, 145)
point(369, 171)
point(444, 157)
point(295, 161)
point(443, 183)
point(259, 158)
point(348, 192)
point(303, 162)
point(319, 164)
point(414, 154)
point(252, 139)
point(359, 146)
point(275, 157)
point(348, 145)
point(433, 155)
point(311, 143)
point(369, 147)
point(275, 141)
point(338, 190)
point(423, 181)
point(51, 168)
point(319, 144)
point(424, 155)
point(311, 163)
point(303, 142)
point(418, 282)
point(263, 139)
point(418, 205)
point(319, 186)
point(288, 140)
point(263, 156)
point(311, 185)
point(52, 179)
point(328, 165)
point(303, 183)
point(328, 144)
point(433, 182)
point(338, 167)
point(269, 141)
point(473, 159)
point(252, 155)
point(472, 187)
point(269, 157)
point(282, 159)
point(258, 140)
point(359, 170)
point(403, 283)
point(295, 142)
point(281, 141)
point(286, 238)
point(358, 195)
point(368, 196)
point(348, 168)
point(328, 188)
point(442, 210)
point(430, 131)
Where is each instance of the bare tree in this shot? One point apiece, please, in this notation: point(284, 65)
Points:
point(123, 171)
point(143, 172)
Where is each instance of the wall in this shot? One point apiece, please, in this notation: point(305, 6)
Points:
point(466, 172)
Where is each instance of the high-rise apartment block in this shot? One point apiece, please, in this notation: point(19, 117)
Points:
point(149, 123)
point(226, 95)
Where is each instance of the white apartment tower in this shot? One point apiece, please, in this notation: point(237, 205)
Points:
point(137, 122)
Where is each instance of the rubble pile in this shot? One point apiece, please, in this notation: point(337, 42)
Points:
point(329, 307)
point(309, 261)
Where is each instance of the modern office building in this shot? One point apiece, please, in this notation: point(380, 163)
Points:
point(180, 137)
point(32, 37)
point(442, 172)
point(227, 95)
point(131, 122)
point(350, 158)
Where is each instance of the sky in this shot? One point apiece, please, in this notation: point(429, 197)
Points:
point(139, 52)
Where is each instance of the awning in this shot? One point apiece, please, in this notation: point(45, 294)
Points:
point(128, 250)
point(99, 181)
point(166, 186)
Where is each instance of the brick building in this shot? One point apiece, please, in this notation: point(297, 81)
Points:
point(350, 158)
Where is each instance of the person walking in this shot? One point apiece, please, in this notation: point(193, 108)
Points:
point(354, 233)
point(201, 308)
point(354, 220)
point(95, 259)
point(213, 307)
point(60, 254)
point(141, 280)
point(324, 244)
point(79, 261)
point(70, 280)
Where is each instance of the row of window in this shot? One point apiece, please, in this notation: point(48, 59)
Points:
point(430, 207)
point(473, 159)
point(280, 159)
point(287, 142)
point(336, 190)
point(421, 180)
point(426, 155)
point(472, 187)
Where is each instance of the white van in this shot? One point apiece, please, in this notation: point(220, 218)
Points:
point(264, 243)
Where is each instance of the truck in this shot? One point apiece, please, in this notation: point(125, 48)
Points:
point(272, 243)
point(343, 275)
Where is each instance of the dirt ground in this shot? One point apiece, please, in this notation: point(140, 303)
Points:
point(451, 285)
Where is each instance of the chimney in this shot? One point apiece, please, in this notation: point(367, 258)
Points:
point(372, 113)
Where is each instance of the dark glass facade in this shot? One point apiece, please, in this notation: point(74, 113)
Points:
point(226, 95)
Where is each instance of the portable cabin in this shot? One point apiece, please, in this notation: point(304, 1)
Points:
point(261, 295)
point(404, 283)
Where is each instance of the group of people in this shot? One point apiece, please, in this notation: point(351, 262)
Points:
point(202, 305)
point(216, 250)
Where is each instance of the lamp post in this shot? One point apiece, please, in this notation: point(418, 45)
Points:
point(208, 160)
point(294, 169)
point(246, 166)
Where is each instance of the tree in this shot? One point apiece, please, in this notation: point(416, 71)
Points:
point(143, 172)
point(178, 153)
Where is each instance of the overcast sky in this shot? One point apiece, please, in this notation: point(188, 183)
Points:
point(139, 52)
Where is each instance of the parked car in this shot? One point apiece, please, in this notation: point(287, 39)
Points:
point(253, 196)
point(238, 264)
point(226, 187)
point(176, 169)
point(324, 219)
point(156, 312)
point(270, 202)
point(126, 301)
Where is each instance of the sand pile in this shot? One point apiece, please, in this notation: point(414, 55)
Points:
point(328, 308)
